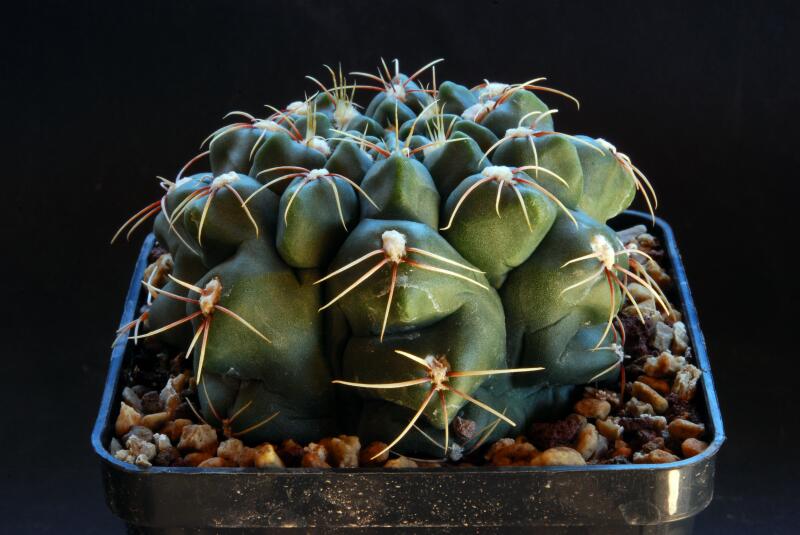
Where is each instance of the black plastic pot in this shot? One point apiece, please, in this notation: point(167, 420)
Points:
point(615, 499)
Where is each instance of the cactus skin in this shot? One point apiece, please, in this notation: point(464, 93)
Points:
point(607, 187)
point(551, 327)
point(487, 291)
point(435, 314)
point(512, 110)
point(403, 189)
point(308, 232)
point(449, 164)
point(280, 149)
point(511, 244)
point(187, 264)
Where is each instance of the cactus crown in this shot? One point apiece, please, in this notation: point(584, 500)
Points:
point(435, 220)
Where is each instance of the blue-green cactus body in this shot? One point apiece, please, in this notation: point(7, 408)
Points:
point(316, 214)
point(287, 374)
point(233, 149)
point(484, 137)
point(551, 324)
point(456, 98)
point(483, 213)
point(608, 187)
point(556, 154)
point(281, 150)
point(403, 189)
point(513, 109)
point(450, 163)
point(431, 242)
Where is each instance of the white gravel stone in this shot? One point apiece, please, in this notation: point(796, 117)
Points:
point(662, 336)
point(167, 392)
point(685, 384)
point(680, 338)
point(125, 456)
point(162, 442)
point(198, 438)
point(138, 447)
point(142, 461)
point(664, 364)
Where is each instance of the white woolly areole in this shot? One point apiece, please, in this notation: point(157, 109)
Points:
point(344, 113)
point(438, 371)
point(606, 145)
point(268, 125)
point(501, 173)
point(394, 245)
point(317, 173)
point(224, 179)
point(520, 131)
point(492, 90)
point(210, 296)
point(297, 107)
point(604, 249)
point(478, 109)
point(319, 144)
point(472, 112)
point(398, 91)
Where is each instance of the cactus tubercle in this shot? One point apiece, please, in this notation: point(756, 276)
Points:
point(438, 374)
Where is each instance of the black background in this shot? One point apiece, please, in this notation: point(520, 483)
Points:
point(100, 97)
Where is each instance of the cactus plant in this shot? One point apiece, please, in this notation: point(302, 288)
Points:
point(439, 254)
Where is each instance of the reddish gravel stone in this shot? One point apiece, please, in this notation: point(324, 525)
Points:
point(637, 335)
point(464, 428)
point(548, 435)
point(679, 408)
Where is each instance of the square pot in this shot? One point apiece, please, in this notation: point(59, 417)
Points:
point(619, 499)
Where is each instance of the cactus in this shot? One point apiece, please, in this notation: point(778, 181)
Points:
point(439, 254)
